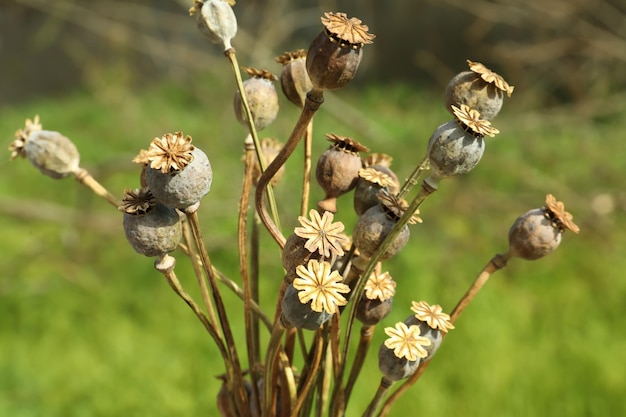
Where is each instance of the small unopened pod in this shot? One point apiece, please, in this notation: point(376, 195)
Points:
point(433, 323)
point(216, 19)
point(335, 54)
point(377, 222)
point(151, 228)
point(337, 170)
point(178, 173)
point(538, 232)
point(50, 152)
point(262, 99)
point(370, 182)
point(456, 147)
point(377, 299)
point(294, 80)
point(479, 88)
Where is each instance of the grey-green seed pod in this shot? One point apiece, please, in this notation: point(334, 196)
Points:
point(453, 151)
point(181, 189)
point(301, 316)
point(216, 20)
point(533, 235)
point(371, 312)
point(262, 99)
point(154, 232)
point(434, 335)
point(294, 253)
point(393, 367)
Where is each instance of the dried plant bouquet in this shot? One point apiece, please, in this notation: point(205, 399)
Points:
point(334, 278)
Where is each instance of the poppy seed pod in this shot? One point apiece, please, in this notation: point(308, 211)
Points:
point(216, 20)
point(50, 152)
point(294, 79)
point(294, 253)
point(178, 173)
point(337, 169)
point(334, 55)
point(434, 335)
point(479, 88)
point(262, 99)
point(151, 228)
point(400, 355)
point(538, 232)
point(299, 315)
point(371, 312)
point(371, 181)
point(377, 222)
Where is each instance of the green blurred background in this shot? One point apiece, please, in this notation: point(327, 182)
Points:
point(88, 328)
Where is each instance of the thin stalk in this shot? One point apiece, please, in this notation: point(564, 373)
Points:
point(232, 58)
point(242, 239)
point(165, 264)
point(197, 268)
point(424, 192)
point(239, 384)
point(84, 177)
point(414, 177)
point(307, 379)
point(384, 385)
point(365, 341)
point(306, 175)
point(273, 348)
point(496, 263)
point(314, 100)
point(254, 279)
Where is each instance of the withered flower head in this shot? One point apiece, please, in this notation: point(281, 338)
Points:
point(17, 146)
point(348, 32)
point(406, 341)
point(432, 315)
point(380, 286)
point(322, 234)
point(376, 177)
point(346, 144)
point(377, 158)
point(169, 153)
point(555, 211)
point(216, 20)
point(289, 56)
point(491, 77)
point(470, 118)
point(259, 73)
point(321, 285)
point(138, 201)
point(395, 207)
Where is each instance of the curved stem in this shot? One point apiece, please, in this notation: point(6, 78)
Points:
point(311, 373)
point(496, 263)
point(314, 100)
point(273, 348)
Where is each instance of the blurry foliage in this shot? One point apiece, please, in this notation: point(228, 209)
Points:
point(554, 52)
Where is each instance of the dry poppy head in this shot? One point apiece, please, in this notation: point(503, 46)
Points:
point(138, 201)
point(169, 154)
point(433, 316)
point(471, 120)
point(348, 32)
point(380, 286)
point(406, 342)
point(491, 77)
point(395, 207)
point(561, 219)
point(323, 236)
point(17, 146)
point(376, 177)
point(346, 144)
point(320, 284)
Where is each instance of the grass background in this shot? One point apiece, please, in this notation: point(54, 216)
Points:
point(88, 328)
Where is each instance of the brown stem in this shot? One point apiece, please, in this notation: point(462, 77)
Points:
point(311, 373)
point(385, 384)
point(84, 177)
point(314, 100)
point(306, 175)
point(359, 359)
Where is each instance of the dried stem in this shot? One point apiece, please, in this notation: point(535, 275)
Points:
point(84, 177)
point(239, 390)
point(306, 175)
point(232, 58)
point(411, 181)
point(496, 263)
point(273, 348)
point(384, 385)
point(314, 100)
point(252, 341)
point(309, 374)
point(365, 341)
point(165, 264)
